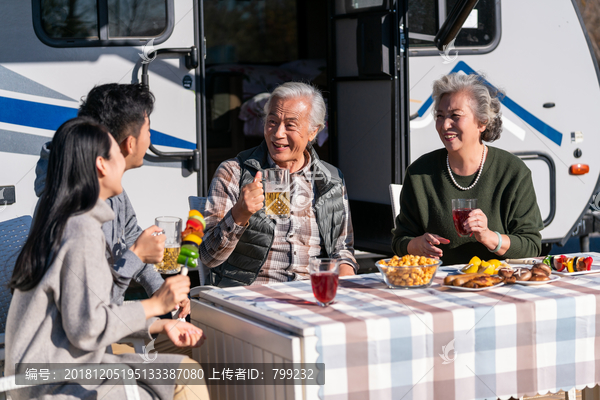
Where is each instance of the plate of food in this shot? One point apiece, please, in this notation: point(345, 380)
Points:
point(537, 274)
point(473, 282)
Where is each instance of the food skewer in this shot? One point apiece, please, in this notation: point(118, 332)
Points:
point(190, 248)
point(531, 262)
point(521, 261)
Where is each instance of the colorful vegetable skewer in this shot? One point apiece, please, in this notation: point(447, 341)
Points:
point(192, 237)
point(190, 246)
point(563, 263)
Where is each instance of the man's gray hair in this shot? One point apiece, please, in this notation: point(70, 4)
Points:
point(293, 90)
point(485, 100)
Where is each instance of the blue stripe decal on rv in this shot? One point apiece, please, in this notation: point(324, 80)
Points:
point(161, 139)
point(519, 111)
point(535, 123)
point(35, 115)
point(425, 106)
point(50, 117)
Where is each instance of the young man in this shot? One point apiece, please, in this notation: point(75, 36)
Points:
point(125, 110)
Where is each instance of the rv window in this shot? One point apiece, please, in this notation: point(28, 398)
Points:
point(70, 18)
point(136, 18)
point(84, 23)
point(250, 31)
point(479, 29)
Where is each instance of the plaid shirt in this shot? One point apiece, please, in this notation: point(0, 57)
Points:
point(295, 239)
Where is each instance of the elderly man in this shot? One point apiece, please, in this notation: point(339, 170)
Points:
point(243, 246)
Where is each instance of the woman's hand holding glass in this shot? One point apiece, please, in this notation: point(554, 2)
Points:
point(477, 226)
point(424, 245)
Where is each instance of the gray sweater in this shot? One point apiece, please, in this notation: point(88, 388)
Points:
point(121, 233)
point(68, 317)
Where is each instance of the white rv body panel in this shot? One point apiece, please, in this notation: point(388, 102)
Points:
point(40, 74)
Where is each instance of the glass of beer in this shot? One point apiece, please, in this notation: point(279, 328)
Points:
point(324, 273)
point(277, 193)
point(461, 208)
point(171, 227)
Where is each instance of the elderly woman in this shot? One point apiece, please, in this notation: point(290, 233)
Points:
point(507, 223)
point(243, 246)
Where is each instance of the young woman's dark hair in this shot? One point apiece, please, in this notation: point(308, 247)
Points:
point(122, 108)
point(72, 187)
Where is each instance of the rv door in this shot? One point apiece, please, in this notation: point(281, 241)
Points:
point(368, 73)
point(369, 117)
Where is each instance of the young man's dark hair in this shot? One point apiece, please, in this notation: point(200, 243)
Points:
point(122, 108)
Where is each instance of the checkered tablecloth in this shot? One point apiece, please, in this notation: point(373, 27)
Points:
point(438, 343)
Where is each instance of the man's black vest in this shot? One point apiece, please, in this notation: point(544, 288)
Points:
point(248, 257)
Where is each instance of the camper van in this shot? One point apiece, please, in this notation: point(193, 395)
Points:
point(210, 63)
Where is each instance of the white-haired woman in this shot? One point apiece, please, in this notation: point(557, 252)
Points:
point(242, 246)
point(507, 222)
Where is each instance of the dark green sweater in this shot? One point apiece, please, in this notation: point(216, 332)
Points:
point(504, 193)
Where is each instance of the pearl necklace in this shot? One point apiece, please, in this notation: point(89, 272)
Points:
point(483, 157)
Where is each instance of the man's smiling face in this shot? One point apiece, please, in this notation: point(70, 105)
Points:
point(288, 131)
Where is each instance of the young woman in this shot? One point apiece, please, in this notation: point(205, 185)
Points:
point(61, 310)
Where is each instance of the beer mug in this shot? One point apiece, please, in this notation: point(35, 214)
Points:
point(277, 192)
point(171, 227)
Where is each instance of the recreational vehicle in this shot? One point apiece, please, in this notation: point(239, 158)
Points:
point(208, 62)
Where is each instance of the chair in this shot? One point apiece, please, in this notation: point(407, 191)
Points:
point(395, 191)
point(13, 234)
point(199, 203)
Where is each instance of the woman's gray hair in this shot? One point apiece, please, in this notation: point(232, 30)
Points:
point(292, 90)
point(485, 102)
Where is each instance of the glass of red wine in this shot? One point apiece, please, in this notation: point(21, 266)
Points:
point(460, 212)
point(324, 273)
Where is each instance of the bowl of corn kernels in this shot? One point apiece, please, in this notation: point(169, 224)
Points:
point(408, 272)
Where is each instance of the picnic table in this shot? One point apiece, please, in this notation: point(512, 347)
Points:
point(434, 343)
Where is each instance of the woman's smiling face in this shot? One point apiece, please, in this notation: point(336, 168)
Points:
point(456, 123)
